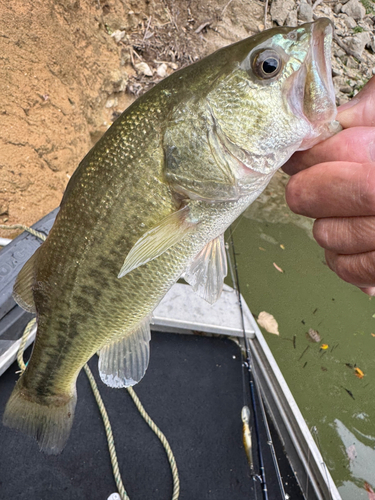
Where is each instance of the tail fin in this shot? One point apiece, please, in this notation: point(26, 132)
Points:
point(49, 420)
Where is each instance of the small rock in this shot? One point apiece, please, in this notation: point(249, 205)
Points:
point(346, 89)
point(358, 42)
point(339, 52)
point(338, 81)
point(336, 72)
point(174, 66)
point(305, 12)
point(326, 10)
point(368, 23)
point(118, 35)
point(341, 99)
point(280, 10)
point(111, 102)
point(337, 8)
point(292, 19)
point(162, 70)
point(4, 209)
point(349, 22)
point(352, 63)
point(354, 9)
point(143, 68)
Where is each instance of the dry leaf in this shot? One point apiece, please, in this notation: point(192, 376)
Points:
point(278, 268)
point(373, 334)
point(314, 335)
point(263, 249)
point(324, 346)
point(282, 246)
point(268, 322)
point(358, 372)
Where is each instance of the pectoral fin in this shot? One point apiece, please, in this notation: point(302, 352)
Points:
point(158, 240)
point(124, 363)
point(207, 272)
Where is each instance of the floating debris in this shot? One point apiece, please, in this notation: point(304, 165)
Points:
point(268, 322)
point(358, 372)
point(282, 246)
point(313, 335)
point(349, 392)
point(277, 267)
point(303, 353)
point(370, 491)
point(324, 346)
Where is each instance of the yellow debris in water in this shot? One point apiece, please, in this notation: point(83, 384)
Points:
point(358, 372)
point(324, 346)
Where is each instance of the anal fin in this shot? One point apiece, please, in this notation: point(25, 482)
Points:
point(23, 287)
point(123, 363)
point(207, 272)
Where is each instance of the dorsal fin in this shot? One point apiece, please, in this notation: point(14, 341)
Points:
point(23, 287)
point(124, 362)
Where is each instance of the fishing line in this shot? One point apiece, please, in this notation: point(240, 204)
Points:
point(247, 364)
point(254, 388)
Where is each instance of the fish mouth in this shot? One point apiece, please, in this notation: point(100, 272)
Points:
point(313, 95)
point(319, 94)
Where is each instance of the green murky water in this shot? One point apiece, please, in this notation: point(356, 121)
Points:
point(308, 295)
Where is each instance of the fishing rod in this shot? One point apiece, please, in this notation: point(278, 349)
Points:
point(254, 395)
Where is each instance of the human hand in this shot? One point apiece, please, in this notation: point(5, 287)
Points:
point(334, 183)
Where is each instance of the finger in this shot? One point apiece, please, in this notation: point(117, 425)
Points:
point(369, 291)
point(357, 269)
point(359, 111)
point(356, 144)
point(335, 189)
point(346, 235)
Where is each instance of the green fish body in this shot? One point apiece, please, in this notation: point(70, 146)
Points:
point(150, 203)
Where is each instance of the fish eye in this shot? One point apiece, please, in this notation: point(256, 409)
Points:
point(267, 64)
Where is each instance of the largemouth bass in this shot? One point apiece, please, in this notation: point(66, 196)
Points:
point(150, 203)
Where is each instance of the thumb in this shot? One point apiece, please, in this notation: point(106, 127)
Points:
point(360, 111)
